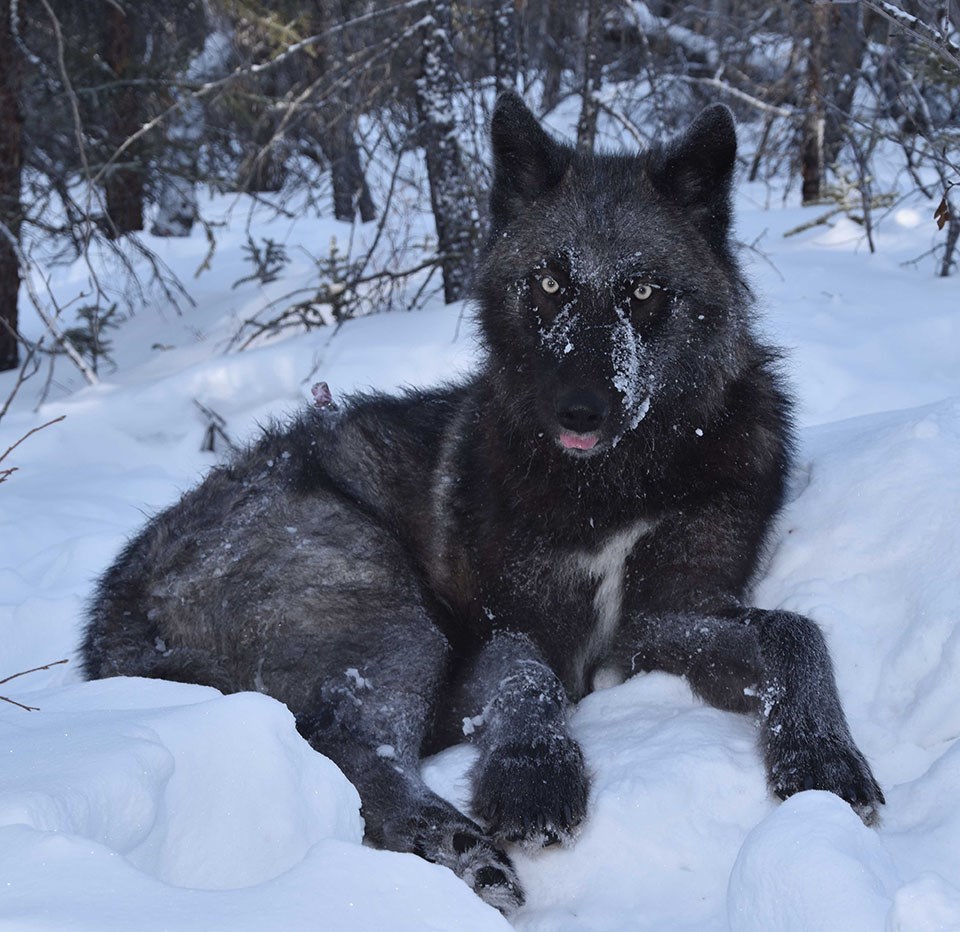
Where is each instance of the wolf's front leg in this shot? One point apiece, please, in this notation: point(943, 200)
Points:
point(376, 691)
point(806, 740)
point(776, 663)
point(529, 784)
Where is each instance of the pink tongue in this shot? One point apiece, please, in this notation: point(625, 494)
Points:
point(578, 441)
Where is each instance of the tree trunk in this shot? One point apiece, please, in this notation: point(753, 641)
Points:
point(11, 162)
point(336, 119)
point(847, 45)
point(124, 182)
point(506, 52)
point(551, 52)
point(451, 193)
point(589, 108)
point(814, 120)
point(350, 190)
point(953, 237)
point(176, 204)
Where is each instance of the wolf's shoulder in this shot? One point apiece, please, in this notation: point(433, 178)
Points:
point(373, 447)
point(372, 418)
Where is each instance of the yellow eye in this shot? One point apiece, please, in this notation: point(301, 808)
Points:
point(643, 291)
point(549, 285)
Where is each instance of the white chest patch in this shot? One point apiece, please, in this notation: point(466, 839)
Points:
point(607, 566)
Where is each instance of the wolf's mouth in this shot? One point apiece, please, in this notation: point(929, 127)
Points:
point(573, 441)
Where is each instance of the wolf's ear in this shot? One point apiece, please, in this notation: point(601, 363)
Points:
point(695, 170)
point(526, 161)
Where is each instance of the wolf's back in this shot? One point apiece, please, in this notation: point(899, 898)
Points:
point(295, 543)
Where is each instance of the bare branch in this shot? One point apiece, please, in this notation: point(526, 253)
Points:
point(48, 320)
point(746, 98)
point(46, 666)
point(6, 472)
point(923, 32)
point(20, 705)
point(208, 88)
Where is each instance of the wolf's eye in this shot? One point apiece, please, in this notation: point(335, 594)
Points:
point(549, 287)
point(649, 303)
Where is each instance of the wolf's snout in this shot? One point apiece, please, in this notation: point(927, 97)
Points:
point(581, 410)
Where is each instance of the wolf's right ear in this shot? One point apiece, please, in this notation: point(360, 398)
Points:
point(696, 169)
point(527, 162)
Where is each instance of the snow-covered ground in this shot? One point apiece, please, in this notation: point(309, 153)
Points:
point(134, 804)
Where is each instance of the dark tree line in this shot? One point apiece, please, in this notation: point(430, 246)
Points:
point(113, 112)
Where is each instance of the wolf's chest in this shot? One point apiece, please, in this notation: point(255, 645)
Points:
point(604, 569)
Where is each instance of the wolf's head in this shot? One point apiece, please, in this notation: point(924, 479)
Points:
point(608, 286)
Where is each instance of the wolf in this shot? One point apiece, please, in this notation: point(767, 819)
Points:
point(402, 570)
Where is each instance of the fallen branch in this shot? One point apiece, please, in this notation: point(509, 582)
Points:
point(817, 221)
point(844, 206)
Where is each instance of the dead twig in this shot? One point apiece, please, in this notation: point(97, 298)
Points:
point(46, 666)
point(216, 427)
point(5, 473)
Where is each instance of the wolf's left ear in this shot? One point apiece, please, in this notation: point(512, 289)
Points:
point(695, 170)
point(527, 162)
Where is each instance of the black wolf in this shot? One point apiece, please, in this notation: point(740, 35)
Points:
point(404, 570)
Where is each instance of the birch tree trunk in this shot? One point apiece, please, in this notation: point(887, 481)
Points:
point(451, 192)
point(589, 108)
point(506, 55)
point(814, 120)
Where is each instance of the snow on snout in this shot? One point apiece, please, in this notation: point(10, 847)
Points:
point(568, 333)
point(560, 336)
point(628, 353)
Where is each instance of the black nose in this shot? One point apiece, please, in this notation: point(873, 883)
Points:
point(581, 410)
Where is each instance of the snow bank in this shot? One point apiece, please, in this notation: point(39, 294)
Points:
point(138, 804)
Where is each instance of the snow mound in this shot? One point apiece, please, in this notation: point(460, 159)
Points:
point(811, 865)
point(139, 804)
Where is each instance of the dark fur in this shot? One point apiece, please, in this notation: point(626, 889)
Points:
point(405, 565)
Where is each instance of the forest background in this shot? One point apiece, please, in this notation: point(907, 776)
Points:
point(114, 115)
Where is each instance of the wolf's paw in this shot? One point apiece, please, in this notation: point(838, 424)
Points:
point(488, 871)
point(440, 834)
point(535, 795)
point(833, 764)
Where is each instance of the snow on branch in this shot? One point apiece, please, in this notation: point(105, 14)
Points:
point(50, 321)
point(930, 36)
point(727, 88)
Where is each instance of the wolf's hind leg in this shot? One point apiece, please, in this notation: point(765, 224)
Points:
point(402, 814)
point(530, 783)
point(371, 717)
point(776, 664)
